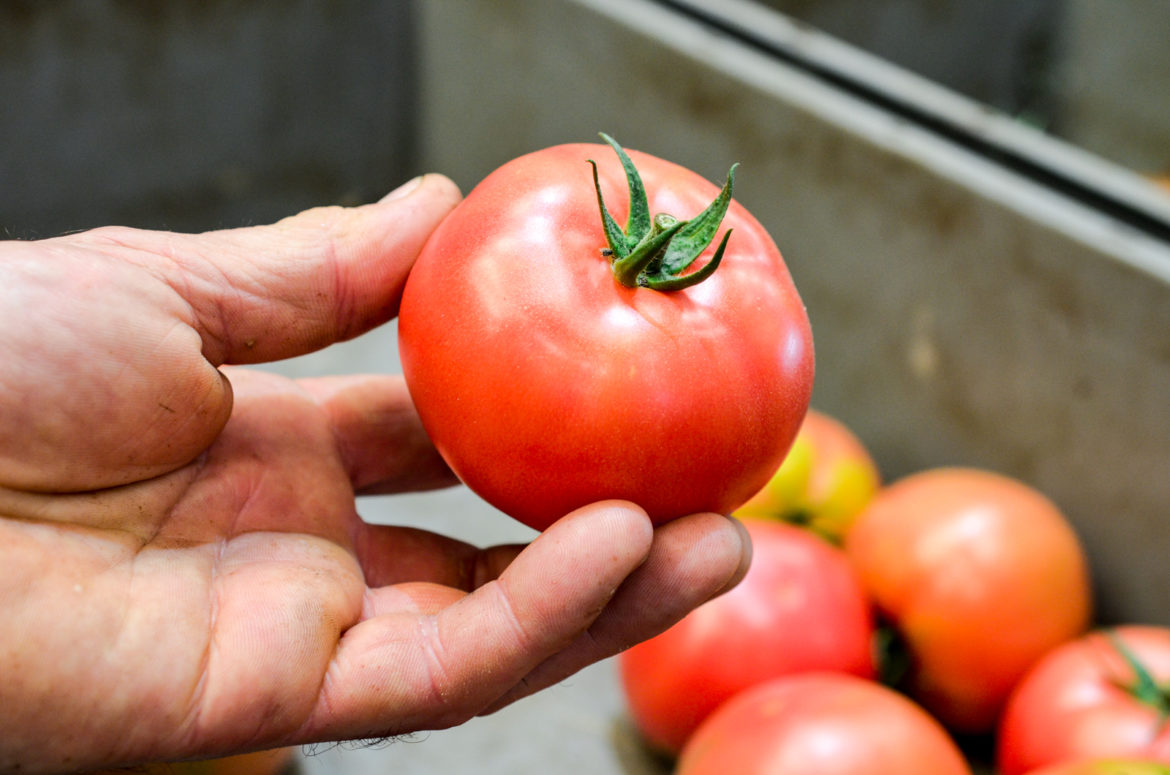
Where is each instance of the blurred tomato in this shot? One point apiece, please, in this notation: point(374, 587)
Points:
point(980, 575)
point(824, 482)
point(1105, 767)
point(822, 723)
point(800, 607)
point(1102, 695)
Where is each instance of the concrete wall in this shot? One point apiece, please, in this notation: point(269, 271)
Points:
point(999, 52)
point(1113, 81)
point(192, 115)
point(1093, 72)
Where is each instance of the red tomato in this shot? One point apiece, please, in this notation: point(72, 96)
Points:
point(1102, 695)
point(825, 481)
point(547, 384)
point(800, 607)
point(822, 723)
point(1105, 767)
point(981, 575)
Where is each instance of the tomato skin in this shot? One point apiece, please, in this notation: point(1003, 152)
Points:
point(547, 385)
point(1073, 704)
point(826, 479)
point(800, 607)
point(823, 723)
point(981, 575)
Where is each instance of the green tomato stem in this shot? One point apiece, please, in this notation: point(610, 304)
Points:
point(1143, 688)
point(656, 252)
point(641, 261)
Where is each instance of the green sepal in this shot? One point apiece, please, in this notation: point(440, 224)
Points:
point(654, 252)
point(1144, 688)
point(693, 239)
point(638, 223)
point(676, 282)
point(614, 236)
point(633, 269)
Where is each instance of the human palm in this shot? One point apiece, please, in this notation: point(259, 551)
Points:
point(183, 572)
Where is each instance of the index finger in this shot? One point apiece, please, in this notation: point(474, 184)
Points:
point(406, 672)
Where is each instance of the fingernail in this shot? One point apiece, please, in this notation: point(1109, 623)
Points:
point(745, 559)
point(404, 190)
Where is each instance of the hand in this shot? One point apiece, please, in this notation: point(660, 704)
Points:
point(182, 569)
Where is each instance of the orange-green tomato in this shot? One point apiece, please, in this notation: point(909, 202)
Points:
point(825, 481)
point(981, 575)
point(1107, 767)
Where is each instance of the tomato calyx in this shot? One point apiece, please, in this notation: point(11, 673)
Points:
point(1143, 687)
point(655, 252)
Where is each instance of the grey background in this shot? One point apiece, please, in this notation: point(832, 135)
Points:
point(1094, 72)
point(191, 116)
point(195, 115)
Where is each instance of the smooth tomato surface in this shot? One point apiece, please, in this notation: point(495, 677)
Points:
point(547, 385)
point(800, 607)
point(981, 575)
point(822, 723)
point(825, 481)
point(1080, 702)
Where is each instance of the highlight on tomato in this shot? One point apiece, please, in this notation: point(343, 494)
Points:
point(823, 723)
point(826, 479)
point(1104, 695)
point(557, 359)
point(800, 607)
point(980, 575)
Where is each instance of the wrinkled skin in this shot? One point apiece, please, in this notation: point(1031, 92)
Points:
point(183, 573)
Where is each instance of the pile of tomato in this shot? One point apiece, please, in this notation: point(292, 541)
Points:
point(884, 628)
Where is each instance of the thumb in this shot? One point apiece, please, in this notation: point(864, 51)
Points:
point(264, 293)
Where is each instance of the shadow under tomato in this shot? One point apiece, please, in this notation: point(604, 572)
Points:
point(634, 756)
